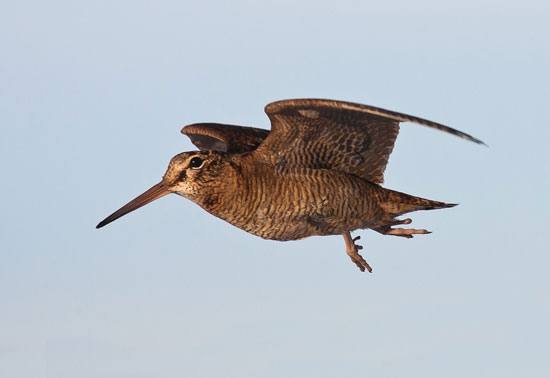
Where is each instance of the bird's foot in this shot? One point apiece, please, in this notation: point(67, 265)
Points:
point(352, 249)
point(405, 232)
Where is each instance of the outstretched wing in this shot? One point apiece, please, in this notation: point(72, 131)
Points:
point(348, 137)
point(226, 138)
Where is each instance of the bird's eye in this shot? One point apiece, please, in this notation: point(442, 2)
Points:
point(196, 163)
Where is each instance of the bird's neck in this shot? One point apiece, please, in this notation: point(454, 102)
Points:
point(219, 196)
point(234, 196)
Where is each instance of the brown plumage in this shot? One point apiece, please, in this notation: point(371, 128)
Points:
point(317, 172)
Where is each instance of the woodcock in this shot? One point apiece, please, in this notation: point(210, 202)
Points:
point(317, 172)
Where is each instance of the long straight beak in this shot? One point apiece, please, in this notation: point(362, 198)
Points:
point(155, 192)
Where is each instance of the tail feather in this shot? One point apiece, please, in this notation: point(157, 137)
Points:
point(398, 203)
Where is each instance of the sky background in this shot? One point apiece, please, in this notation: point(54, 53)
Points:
point(92, 98)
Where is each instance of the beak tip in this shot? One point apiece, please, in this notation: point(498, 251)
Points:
point(104, 222)
point(153, 193)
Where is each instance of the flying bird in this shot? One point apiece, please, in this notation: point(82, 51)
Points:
point(317, 172)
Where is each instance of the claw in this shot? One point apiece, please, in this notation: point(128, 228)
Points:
point(359, 247)
point(361, 263)
point(352, 251)
point(396, 222)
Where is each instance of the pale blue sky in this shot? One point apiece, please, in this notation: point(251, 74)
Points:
point(92, 97)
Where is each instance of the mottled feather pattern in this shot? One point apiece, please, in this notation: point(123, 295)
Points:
point(345, 141)
point(300, 202)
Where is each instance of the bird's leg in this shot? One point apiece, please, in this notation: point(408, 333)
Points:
point(352, 250)
point(404, 232)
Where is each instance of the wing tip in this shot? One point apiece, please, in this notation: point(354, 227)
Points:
point(479, 141)
point(473, 139)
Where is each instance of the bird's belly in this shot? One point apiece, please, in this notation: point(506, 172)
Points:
point(293, 206)
point(282, 220)
point(291, 210)
point(291, 227)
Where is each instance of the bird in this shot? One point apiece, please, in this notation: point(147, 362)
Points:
point(319, 171)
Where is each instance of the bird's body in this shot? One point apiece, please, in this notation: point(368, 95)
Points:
point(318, 172)
point(296, 203)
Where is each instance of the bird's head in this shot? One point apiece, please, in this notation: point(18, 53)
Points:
point(194, 175)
